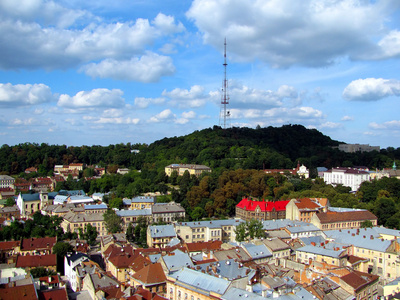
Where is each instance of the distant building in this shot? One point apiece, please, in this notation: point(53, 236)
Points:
point(6, 181)
point(352, 148)
point(346, 219)
point(261, 210)
point(301, 171)
point(191, 168)
point(303, 209)
point(349, 177)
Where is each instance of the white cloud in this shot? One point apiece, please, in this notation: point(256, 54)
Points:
point(331, 125)
point(142, 102)
point(52, 47)
point(148, 68)
point(194, 97)
point(113, 113)
point(24, 94)
point(189, 115)
point(243, 96)
point(347, 118)
point(166, 24)
point(165, 115)
point(92, 99)
point(284, 33)
point(120, 120)
point(24, 122)
point(371, 89)
point(395, 124)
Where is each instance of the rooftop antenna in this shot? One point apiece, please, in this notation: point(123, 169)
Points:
point(224, 114)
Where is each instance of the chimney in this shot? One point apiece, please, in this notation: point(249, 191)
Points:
point(371, 237)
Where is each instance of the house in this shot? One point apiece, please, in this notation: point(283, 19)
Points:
point(95, 208)
point(47, 261)
point(73, 221)
point(167, 212)
point(20, 292)
point(174, 261)
point(99, 284)
point(37, 246)
point(204, 231)
point(196, 170)
point(6, 192)
point(6, 181)
point(139, 202)
point(132, 216)
point(349, 177)
point(301, 171)
point(300, 231)
point(336, 256)
point(70, 263)
point(237, 253)
point(160, 235)
point(199, 247)
point(118, 265)
point(258, 253)
point(8, 249)
point(343, 219)
point(304, 208)
point(151, 277)
point(277, 247)
point(30, 203)
point(190, 284)
point(10, 212)
point(248, 209)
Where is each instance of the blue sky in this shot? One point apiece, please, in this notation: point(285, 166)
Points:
point(107, 72)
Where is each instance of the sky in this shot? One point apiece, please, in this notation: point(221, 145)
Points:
point(125, 71)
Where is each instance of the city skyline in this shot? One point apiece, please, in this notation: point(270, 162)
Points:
point(100, 73)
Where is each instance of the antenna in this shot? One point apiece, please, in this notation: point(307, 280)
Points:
point(224, 114)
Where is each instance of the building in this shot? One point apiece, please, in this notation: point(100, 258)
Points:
point(140, 202)
point(349, 177)
point(301, 171)
point(167, 212)
point(37, 246)
point(47, 261)
point(6, 193)
point(304, 208)
point(335, 256)
point(6, 181)
point(151, 277)
point(9, 212)
point(204, 231)
point(30, 203)
point(70, 263)
point(73, 221)
point(196, 170)
point(160, 235)
point(248, 209)
point(132, 216)
point(352, 148)
point(346, 219)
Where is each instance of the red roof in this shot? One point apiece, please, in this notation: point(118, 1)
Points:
point(18, 292)
point(307, 203)
point(59, 294)
point(31, 244)
point(203, 246)
point(9, 245)
point(251, 205)
point(34, 261)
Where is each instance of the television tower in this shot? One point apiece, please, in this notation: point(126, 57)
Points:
point(224, 114)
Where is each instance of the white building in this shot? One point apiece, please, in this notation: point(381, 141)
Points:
point(70, 262)
point(6, 181)
point(347, 177)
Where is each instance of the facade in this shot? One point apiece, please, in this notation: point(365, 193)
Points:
point(248, 209)
point(6, 181)
point(347, 177)
point(167, 212)
point(132, 216)
point(204, 231)
point(37, 246)
point(304, 208)
point(73, 221)
point(140, 202)
point(160, 235)
point(352, 148)
point(196, 170)
point(71, 261)
point(335, 256)
point(30, 203)
point(347, 219)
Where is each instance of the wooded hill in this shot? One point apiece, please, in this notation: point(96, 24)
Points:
point(233, 148)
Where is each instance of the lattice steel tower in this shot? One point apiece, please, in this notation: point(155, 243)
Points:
point(224, 120)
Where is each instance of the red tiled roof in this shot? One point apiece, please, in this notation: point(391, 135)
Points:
point(205, 261)
point(202, 246)
point(151, 274)
point(358, 280)
point(112, 292)
point(9, 245)
point(18, 292)
point(121, 261)
point(251, 205)
point(38, 243)
point(34, 261)
point(139, 262)
point(53, 294)
point(350, 216)
point(53, 279)
point(307, 203)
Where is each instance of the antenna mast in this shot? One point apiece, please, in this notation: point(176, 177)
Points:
point(224, 114)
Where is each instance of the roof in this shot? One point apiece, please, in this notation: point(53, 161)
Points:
point(142, 199)
point(34, 261)
point(31, 197)
point(236, 253)
point(265, 206)
point(176, 260)
point(228, 269)
point(159, 231)
point(9, 245)
point(18, 292)
point(101, 280)
point(257, 251)
point(322, 251)
point(358, 280)
point(275, 244)
point(309, 203)
point(151, 274)
point(200, 282)
point(160, 208)
point(203, 246)
point(347, 171)
point(281, 223)
point(346, 216)
point(212, 224)
point(95, 206)
point(32, 244)
point(59, 294)
point(77, 217)
point(134, 212)
point(122, 260)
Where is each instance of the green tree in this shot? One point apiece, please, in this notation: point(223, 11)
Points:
point(115, 203)
point(41, 272)
point(129, 232)
point(255, 229)
point(366, 224)
point(10, 202)
point(113, 221)
point(241, 232)
point(197, 213)
point(140, 232)
point(89, 234)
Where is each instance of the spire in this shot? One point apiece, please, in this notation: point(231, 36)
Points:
point(394, 165)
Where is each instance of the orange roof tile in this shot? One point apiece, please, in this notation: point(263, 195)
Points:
point(251, 205)
point(34, 261)
point(151, 274)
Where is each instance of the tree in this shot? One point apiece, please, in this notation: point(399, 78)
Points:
point(197, 213)
point(116, 203)
point(62, 248)
point(249, 230)
point(89, 234)
point(140, 232)
point(366, 224)
point(241, 232)
point(41, 272)
point(113, 221)
point(129, 232)
point(10, 202)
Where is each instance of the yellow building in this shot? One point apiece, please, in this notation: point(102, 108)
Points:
point(182, 168)
point(73, 221)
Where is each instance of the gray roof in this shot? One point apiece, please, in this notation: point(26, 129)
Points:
point(143, 199)
point(200, 282)
point(133, 212)
point(74, 217)
point(76, 257)
point(275, 244)
point(228, 269)
point(95, 206)
point(236, 293)
point(360, 240)
point(257, 251)
point(102, 280)
point(30, 197)
point(281, 223)
point(322, 251)
point(313, 239)
point(160, 231)
point(387, 231)
point(160, 208)
point(303, 228)
point(177, 260)
point(238, 253)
